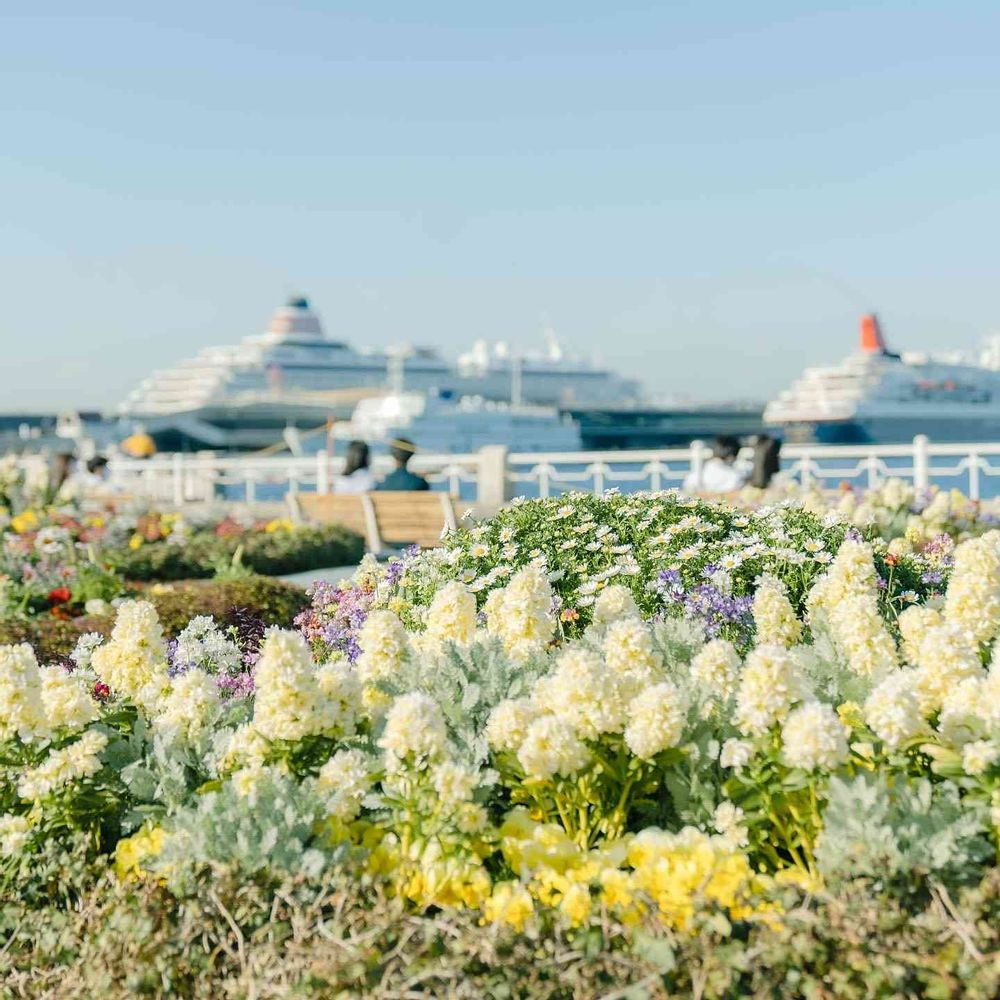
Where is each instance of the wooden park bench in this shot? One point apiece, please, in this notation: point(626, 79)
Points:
point(385, 520)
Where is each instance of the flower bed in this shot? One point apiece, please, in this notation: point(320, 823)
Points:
point(64, 564)
point(271, 601)
point(274, 548)
point(585, 748)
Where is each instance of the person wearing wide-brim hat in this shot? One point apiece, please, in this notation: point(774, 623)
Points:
point(402, 450)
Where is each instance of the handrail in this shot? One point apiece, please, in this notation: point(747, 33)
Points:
point(493, 474)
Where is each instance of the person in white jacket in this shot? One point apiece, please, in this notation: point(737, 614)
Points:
point(722, 473)
point(357, 476)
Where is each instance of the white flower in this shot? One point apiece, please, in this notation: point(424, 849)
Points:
point(383, 643)
point(977, 757)
point(453, 783)
point(728, 820)
point(583, 692)
point(22, 712)
point(773, 614)
point(508, 723)
point(735, 753)
point(812, 737)
point(715, 668)
point(78, 760)
point(552, 747)
point(84, 649)
point(892, 710)
point(451, 616)
point(613, 603)
point(414, 729)
point(133, 662)
point(66, 699)
point(655, 720)
point(770, 684)
point(972, 601)
point(344, 781)
point(189, 706)
point(520, 614)
point(631, 655)
point(15, 832)
point(293, 699)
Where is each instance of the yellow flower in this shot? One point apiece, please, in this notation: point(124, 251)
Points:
point(279, 524)
point(132, 851)
point(25, 521)
point(616, 889)
point(135, 542)
point(850, 715)
point(575, 904)
point(509, 904)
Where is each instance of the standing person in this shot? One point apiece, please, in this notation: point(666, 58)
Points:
point(402, 450)
point(357, 476)
point(60, 485)
point(721, 473)
point(94, 479)
point(766, 461)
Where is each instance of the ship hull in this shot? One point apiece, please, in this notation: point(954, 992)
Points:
point(889, 430)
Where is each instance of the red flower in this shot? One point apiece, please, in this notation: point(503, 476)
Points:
point(59, 596)
point(101, 691)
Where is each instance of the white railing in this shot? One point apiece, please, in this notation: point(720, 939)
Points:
point(203, 478)
point(920, 462)
point(493, 475)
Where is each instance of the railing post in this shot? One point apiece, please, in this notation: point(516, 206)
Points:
point(805, 469)
point(491, 478)
point(697, 460)
point(322, 472)
point(178, 478)
point(921, 476)
point(973, 476)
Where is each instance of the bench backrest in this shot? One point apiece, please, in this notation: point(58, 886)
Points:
point(384, 518)
point(412, 518)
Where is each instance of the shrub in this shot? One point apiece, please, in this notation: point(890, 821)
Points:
point(345, 938)
point(275, 601)
point(272, 553)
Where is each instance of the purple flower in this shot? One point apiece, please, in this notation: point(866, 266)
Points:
point(670, 585)
point(394, 571)
point(235, 685)
point(714, 609)
point(333, 621)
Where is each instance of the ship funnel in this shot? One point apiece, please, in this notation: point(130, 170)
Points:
point(872, 341)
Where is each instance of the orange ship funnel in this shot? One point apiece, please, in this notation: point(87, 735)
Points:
point(872, 341)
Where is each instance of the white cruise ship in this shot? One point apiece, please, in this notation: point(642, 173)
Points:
point(244, 396)
point(878, 396)
point(444, 425)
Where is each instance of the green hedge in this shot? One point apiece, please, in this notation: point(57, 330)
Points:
point(275, 601)
point(233, 938)
point(271, 553)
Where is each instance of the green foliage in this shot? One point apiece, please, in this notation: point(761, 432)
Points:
point(468, 683)
point(586, 540)
point(270, 553)
point(901, 832)
point(275, 601)
point(343, 937)
point(272, 829)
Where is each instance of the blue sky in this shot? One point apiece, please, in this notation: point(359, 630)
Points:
point(705, 194)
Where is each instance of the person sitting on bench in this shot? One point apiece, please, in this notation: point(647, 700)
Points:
point(401, 478)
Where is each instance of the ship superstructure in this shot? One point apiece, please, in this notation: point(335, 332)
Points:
point(878, 396)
